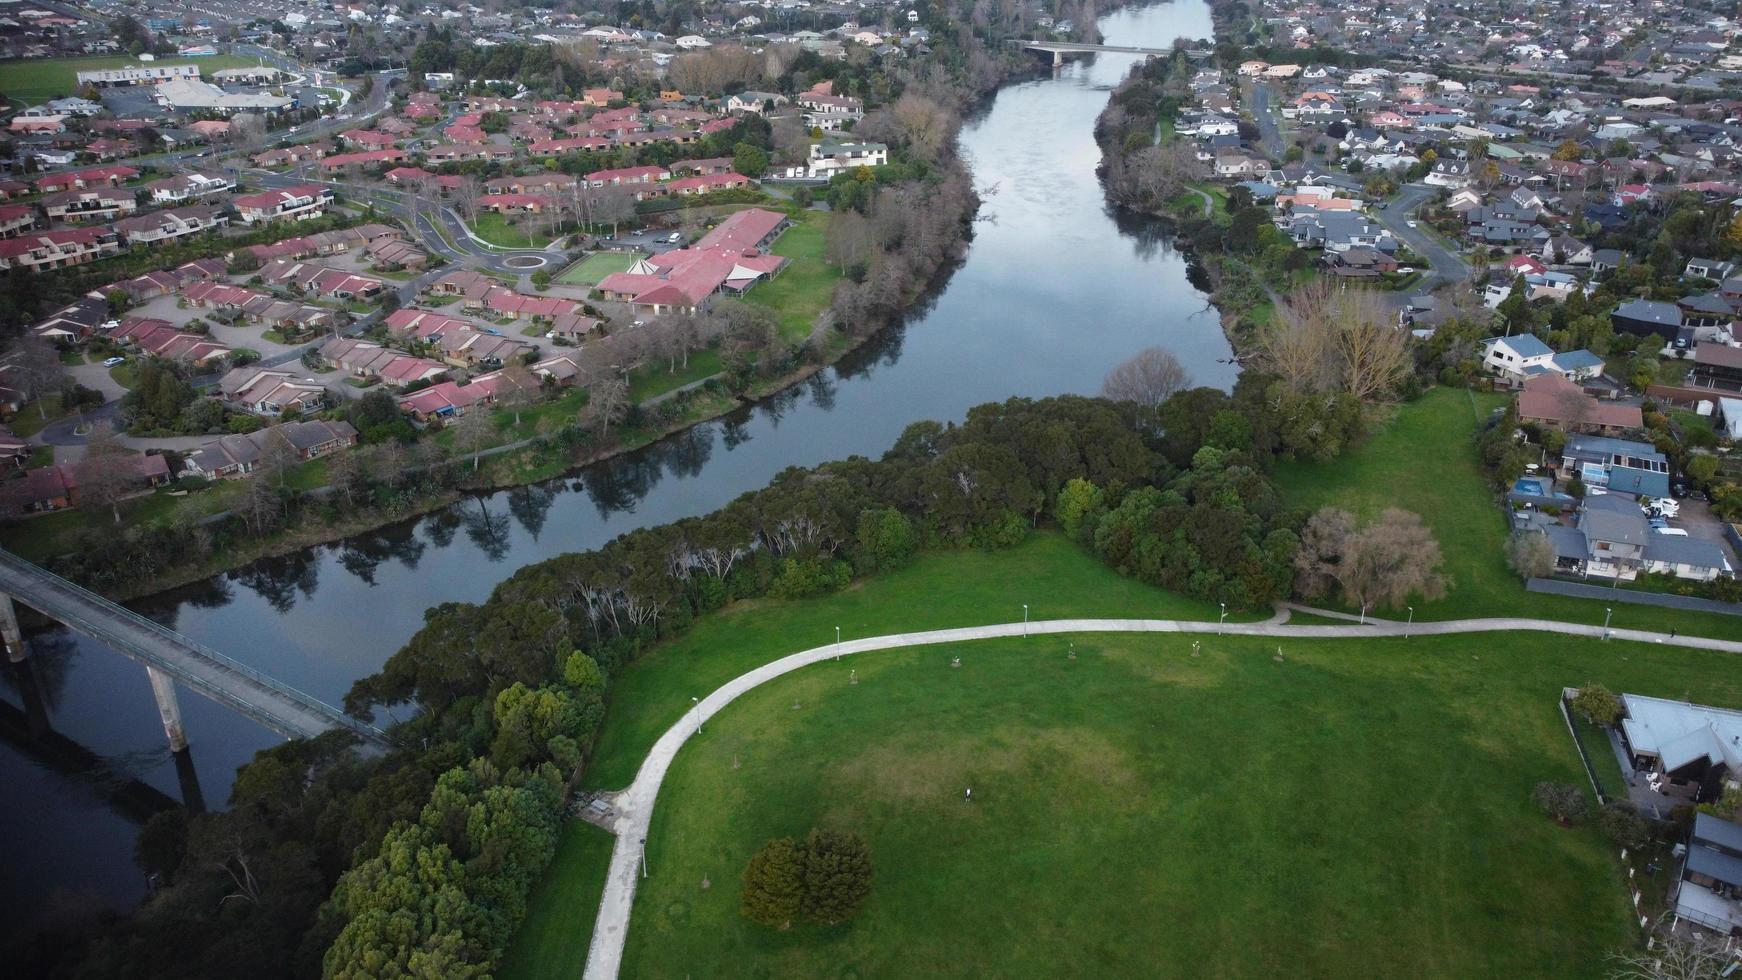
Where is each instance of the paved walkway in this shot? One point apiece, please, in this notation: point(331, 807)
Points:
point(634, 806)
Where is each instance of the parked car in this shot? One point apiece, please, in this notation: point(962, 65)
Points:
point(1667, 506)
point(1674, 532)
point(676, 236)
point(111, 362)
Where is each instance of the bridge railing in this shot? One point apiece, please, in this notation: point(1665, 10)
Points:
point(52, 582)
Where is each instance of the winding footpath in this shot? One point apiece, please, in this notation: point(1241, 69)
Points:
point(633, 807)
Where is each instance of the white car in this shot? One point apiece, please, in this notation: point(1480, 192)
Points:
point(1667, 506)
point(1674, 532)
point(675, 238)
point(1410, 223)
point(111, 362)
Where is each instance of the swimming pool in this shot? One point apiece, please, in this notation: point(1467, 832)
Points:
point(1534, 486)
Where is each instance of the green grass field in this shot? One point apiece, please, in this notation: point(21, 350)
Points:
point(1423, 459)
point(498, 230)
point(559, 925)
point(806, 286)
point(36, 79)
point(588, 271)
point(1357, 809)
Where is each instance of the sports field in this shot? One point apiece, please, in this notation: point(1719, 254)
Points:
point(597, 266)
point(35, 79)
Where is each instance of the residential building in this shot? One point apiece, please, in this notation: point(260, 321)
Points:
point(235, 456)
point(1690, 751)
point(1517, 358)
point(1622, 466)
point(1708, 892)
point(293, 203)
point(57, 249)
point(1553, 400)
point(829, 156)
point(262, 391)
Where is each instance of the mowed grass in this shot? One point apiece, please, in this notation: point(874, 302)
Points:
point(1358, 808)
point(1423, 459)
point(559, 925)
point(804, 289)
point(597, 266)
point(36, 79)
point(939, 590)
point(497, 229)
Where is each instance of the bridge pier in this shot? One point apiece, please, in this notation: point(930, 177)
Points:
point(1058, 60)
point(16, 651)
point(163, 686)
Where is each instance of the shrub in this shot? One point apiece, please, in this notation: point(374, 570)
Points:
point(1595, 703)
point(1623, 825)
point(1564, 802)
point(809, 577)
point(826, 879)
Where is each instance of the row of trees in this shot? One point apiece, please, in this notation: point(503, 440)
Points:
point(824, 878)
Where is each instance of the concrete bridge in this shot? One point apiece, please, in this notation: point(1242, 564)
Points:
point(168, 657)
point(1058, 50)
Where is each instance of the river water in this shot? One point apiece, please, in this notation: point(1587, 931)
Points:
point(1055, 290)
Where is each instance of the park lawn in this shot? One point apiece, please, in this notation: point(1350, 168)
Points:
point(1357, 808)
point(1423, 459)
point(597, 266)
point(559, 922)
point(654, 379)
point(806, 287)
point(496, 229)
point(1059, 580)
point(36, 79)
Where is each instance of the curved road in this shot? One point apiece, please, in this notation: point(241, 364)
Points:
point(633, 807)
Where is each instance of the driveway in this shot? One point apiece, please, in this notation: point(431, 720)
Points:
point(1696, 518)
point(96, 377)
point(1445, 265)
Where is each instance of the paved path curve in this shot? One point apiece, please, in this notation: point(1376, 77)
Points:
point(633, 806)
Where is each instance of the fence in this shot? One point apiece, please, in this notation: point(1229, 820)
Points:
point(1583, 590)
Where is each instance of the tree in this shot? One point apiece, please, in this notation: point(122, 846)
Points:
point(1564, 802)
point(516, 388)
point(774, 884)
point(473, 431)
point(106, 473)
point(1621, 823)
point(1328, 338)
point(1531, 555)
point(37, 367)
point(1568, 151)
point(607, 403)
point(1382, 564)
point(1597, 704)
point(1685, 954)
point(837, 876)
point(1148, 378)
point(750, 160)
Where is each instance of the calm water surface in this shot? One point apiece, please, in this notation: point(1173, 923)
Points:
point(1055, 290)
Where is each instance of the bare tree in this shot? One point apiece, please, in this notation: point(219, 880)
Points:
point(1334, 339)
point(1691, 955)
point(1531, 555)
point(36, 366)
point(107, 471)
point(248, 131)
point(1149, 377)
point(517, 388)
point(607, 402)
point(1382, 564)
point(277, 458)
point(473, 431)
point(848, 240)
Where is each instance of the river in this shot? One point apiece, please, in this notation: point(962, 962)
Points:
point(1054, 291)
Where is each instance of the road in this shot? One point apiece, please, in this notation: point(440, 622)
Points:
point(1264, 113)
point(1444, 265)
point(633, 807)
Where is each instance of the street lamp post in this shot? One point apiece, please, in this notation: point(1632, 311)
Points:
point(1222, 618)
point(1409, 626)
point(1606, 614)
point(1025, 619)
point(837, 643)
point(1363, 614)
point(698, 703)
point(644, 859)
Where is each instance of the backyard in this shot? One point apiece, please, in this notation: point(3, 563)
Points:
point(36, 79)
point(497, 229)
point(806, 287)
point(1423, 459)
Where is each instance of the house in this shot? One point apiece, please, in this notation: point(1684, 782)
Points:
point(1709, 890)
point(1615, 466)
point(753, 101)
point(235, 456)
point(1616, 535)
point(1359, 263)
point(295, 203)
point(50, 488)
point(363, 359)
point(1338, 231)
point(1717, 366)
point(1711, 269)
point(1236, 163)
point(1689, 750)
point(1647, 316)
point(1607, 260)
point(730, 258)
point(15, 219)
point(188, 187)
point(829, 156)
point(1552, 400)
point(90, 204)
point(163, 226)
point(262, 391)
point(57, 249)
point(1525, 356)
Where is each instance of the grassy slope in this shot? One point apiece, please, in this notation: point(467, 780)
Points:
point(1424, 460)
point(1058, 579)
point(559, 926)
point(498, 230)
point(806, 286)
point(1359, 809)
point(45, 78)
